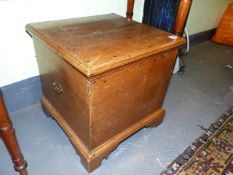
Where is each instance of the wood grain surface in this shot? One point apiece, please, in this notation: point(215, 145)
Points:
point(125, 96)
point(72, 103)
point(97, 44)
point(103, 79)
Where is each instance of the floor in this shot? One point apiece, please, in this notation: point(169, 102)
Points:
point(195, 98)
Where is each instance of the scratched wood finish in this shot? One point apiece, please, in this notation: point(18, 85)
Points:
point(128, 95)
point(95, 45)
point(103, 79)
point(73, 102)
point(7, 133)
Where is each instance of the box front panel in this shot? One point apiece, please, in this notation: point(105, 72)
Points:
point(66, 89)
point(122, 97)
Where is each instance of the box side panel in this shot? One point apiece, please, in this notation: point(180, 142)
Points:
point(122, 97)
point(66, 89)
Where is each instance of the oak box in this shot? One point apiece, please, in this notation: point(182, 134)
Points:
point(103, 78)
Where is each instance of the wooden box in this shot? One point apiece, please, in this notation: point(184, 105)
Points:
point(103, 78)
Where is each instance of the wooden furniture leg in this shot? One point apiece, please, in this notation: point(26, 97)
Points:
point(129, 12)
point(182, 16)
point(8, 135)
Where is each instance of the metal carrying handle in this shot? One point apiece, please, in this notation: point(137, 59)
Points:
point(58, 88)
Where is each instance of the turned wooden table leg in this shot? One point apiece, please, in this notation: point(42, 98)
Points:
point(8, 135)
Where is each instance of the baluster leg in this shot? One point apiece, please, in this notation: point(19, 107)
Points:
point(9, 138)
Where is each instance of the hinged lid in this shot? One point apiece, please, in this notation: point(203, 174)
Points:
point(96, 44)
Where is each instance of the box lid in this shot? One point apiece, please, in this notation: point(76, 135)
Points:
point(97, 44)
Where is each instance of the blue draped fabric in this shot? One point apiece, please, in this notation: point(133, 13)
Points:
point(161, 13)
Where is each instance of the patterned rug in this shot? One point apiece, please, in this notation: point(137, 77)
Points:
point(210, 154)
